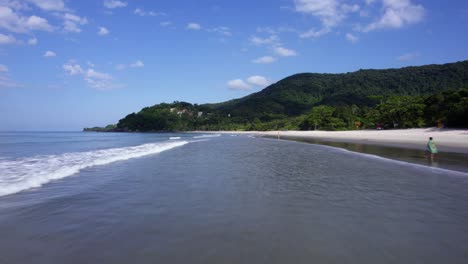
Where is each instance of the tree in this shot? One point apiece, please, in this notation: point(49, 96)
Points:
point(449, 107)
point(403, 111)
point(321, 117)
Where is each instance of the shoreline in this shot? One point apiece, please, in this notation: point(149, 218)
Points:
point(407, 145)
point(447, 140)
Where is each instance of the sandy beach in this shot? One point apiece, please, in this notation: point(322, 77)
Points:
point(447, 140)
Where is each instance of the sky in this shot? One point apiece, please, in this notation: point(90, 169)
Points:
point(69, 64)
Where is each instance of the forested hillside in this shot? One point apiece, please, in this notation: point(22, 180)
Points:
point(409, 97)
point(297, 94)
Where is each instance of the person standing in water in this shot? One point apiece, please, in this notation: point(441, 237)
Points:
point(431, 149)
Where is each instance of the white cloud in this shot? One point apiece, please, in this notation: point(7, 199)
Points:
point(397, 14)
point(352, 38)
point(14, 22)
point(99, 80)
point(224, 31)
point(264, 60)
point(49, 54)
point(165, 23)
point(329, 12)
point(94, 79)
point(284, 52)
point(57, 8)
point(142, 12)
point(137, 64)
point(5, 81)
point(7, 39)
point(314, 33)
point(408, 56)
point(325, 10)
point(32, 41)
point(120, 67)
point(193, 26)
point(3, 68)
point(272, 39)
point(153, 13)
point(49, 5)
point(103, 31)
point(15, 4)
point(38, 23)
point(72, 68)
point(258, 80)
point(114, 4)
point(75, 18)
point(364, 13)
point(350, 8)
point(139, 12)
point(91, 73)
point(267, 30)
point(72, 22)
point(238, 84)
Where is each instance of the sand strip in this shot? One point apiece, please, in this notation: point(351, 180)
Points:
point(447, 140)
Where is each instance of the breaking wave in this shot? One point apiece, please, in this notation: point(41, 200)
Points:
point(32, 172)
point(208, 136)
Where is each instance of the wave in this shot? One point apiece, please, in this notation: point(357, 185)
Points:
point(208, 136)
point(32, 172)
point(174, 138)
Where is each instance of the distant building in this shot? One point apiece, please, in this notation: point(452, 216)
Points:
point(184, 111)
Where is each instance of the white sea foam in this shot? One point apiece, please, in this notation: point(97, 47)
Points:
point(208, 136)
point(31, 172)
point(174, 138)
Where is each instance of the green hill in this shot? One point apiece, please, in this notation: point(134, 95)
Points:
point(407, 97)
point(298, 93)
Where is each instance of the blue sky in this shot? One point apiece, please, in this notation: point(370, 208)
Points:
point(69, 64)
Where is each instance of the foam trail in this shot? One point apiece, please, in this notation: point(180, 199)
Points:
point(208, 136)
point(32, 172)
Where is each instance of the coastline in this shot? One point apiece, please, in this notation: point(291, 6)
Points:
point(407, 145)
point(447, 140)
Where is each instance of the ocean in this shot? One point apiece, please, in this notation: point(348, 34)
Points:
point(76, 197)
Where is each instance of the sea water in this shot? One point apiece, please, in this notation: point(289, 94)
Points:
point(195, 198)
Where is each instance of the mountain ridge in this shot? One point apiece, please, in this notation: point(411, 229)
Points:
point(288, 102)
point(359, 85)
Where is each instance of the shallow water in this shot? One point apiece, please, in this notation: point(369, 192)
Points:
point(236, 199)
point(444, 160)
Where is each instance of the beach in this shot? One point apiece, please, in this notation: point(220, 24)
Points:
point(221, 198)
point(447, 140)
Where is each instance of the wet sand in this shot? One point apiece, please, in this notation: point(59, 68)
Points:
point(406, 145)
point(412, 154)
point(447, 140)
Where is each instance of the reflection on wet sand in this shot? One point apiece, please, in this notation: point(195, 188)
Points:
point(445, 160)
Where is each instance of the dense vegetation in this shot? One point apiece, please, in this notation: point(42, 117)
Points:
point(396, 98)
